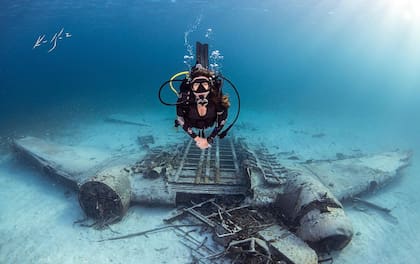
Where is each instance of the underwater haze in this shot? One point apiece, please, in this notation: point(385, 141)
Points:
point(353, 58)
point(347, 71)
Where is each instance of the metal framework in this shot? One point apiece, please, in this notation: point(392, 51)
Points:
point(215, 170)
point(221, 169)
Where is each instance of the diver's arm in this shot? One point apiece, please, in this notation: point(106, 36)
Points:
point(180, 112)
point(187, 128)
point(221, 120)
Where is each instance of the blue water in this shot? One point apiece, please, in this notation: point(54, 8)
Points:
point(345, 59)
point(328, 55)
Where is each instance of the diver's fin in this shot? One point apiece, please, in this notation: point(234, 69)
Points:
point(202, 54)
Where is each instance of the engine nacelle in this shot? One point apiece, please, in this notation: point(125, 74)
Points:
point(106, 196)
point(318, 215)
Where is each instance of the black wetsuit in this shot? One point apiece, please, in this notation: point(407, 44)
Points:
point(189, 118)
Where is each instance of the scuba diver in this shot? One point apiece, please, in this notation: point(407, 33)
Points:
point(201, 103)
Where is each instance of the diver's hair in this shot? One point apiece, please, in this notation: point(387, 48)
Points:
point(225, 101)
point(201, 72)
point(220, 99)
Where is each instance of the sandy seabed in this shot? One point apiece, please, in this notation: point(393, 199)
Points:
point(37, 214)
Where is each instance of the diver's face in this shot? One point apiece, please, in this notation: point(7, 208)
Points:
point(200, 84)
point(201, 89)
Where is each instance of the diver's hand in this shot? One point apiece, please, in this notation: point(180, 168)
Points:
point(201, 142)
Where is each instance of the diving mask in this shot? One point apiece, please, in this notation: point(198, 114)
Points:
point(200, 84)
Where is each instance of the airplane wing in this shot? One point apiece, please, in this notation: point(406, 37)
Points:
point(72, 164)
point(350, 177)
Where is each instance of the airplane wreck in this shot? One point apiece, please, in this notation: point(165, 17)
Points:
point(259, 205)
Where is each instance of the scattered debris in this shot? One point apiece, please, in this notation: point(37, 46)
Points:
point(68, 194)
point(5, 144)
point(246, 234)
point(144, 141)
point(96, 224)
point(340, 156)
point(326, 259)
point(301, 131)
point(153, 173)
point(142, 233)
point(248, 248)
point(371, 205)
point(287, 153)
point(319, 135)
point(246, 126)
point(126, 119)
point(380, 209)
point(199, 249)
point(155, 164)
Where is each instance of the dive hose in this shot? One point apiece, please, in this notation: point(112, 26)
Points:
point(172, 79)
